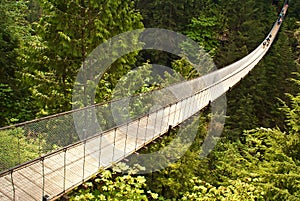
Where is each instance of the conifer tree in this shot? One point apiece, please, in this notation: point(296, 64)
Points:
point(14, 31)
point(66, 33)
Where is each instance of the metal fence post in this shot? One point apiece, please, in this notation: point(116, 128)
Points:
point(179, 114)
point(162, 119)
point(168, 121)
point(199, 100)
point(65, 171)
point(83, 164)
point(207, 99)
point(175, 115)
point(203, 99)
point(100, 150)
point(126, 140)
point(115, 135)
point(137, 133)
point(190, 106)
point(194, 99)
point(13, 185)
point(43, 173)
point(146, 128)
point(46, 198)
point(155, 124)
point(185, 110)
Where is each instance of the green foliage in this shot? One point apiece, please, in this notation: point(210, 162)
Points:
point(294, 9)
point(173, 15)
point(7, 102)
point(34, 11)
point(15, 148)
point(135, 85)
point(185, 69)
point(14, 30)
point(293, 112)
point(236, 191)
point(174, 180)
point(263, 159)
point(247, 25)
point(200, 20)
point(110, 185)
point(205, 29)
point(66, 33)
point(261, 168)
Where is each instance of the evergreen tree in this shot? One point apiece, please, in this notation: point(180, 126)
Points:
point(263, 160)
point(67, 32)
point(247, 25)
point(170, 14)
point(14, 31)
point(254, 102)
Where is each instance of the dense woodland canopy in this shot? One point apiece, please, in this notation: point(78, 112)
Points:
point(44, 42)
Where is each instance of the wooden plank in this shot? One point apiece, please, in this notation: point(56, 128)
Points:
point(6, 190)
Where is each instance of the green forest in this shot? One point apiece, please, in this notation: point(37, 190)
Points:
point(43, 44)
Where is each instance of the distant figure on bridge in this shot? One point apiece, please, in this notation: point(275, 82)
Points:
point(268, 40)
point(279, 20)
point(264, 44)
point(281, 15)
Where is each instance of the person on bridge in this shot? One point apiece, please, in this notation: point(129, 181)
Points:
point(264, 44)
point(268, 41)
point(281, 15)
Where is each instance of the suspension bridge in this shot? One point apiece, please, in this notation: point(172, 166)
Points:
point(53, 174)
